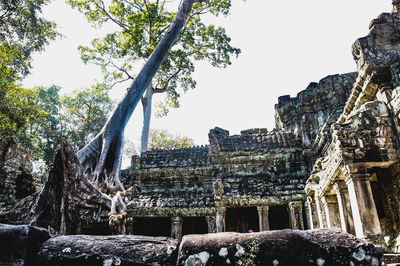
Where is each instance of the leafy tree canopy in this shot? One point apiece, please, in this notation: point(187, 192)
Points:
point(140, 26)
point(43, 135)
point(163, 139)
point(86, 112)
point(22, 32)
point(77, 117)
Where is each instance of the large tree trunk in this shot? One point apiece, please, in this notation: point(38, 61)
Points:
point(101, 158)
point(147, 107)
point(67, 198)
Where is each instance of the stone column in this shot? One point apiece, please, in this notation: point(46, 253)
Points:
point(331, 210)
point(176, 227)
point(320, 214)
point(129, 225)
point(220, 219)
point(312, 213)
point(296, 214)
point(365, 215)
point(346, 219)
point(211, 224)
point(263, 218)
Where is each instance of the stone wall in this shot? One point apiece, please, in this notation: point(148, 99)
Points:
point(355, 183)
point(177, 158)
point(258, 167)
point(306, 114)
point(16, 179)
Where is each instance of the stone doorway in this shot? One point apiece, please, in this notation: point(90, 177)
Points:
point(242, 220)
point(149, 226)
point(278, 217)
point(100, 229)
point(384, 188)
point(194, 225)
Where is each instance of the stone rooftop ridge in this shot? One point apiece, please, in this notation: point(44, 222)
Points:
point(251, 139)
point(196, 156)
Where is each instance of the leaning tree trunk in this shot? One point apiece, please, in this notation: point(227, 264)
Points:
point(101, 158)
point(68, 198)
point(147, 107)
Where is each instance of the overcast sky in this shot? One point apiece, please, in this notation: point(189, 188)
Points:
point(285, 46)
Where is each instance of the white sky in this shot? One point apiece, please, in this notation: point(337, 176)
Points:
point(285, 46)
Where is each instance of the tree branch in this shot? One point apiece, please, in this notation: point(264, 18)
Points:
point(119, 23)
point(165, 87)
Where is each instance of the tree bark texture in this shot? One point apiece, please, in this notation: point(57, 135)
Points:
point(67, 197)
point(147, 103)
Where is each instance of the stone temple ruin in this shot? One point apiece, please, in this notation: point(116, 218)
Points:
point(332, 161)
point(252, 181)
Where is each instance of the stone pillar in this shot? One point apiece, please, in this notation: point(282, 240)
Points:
point(365, 215)
point(263, 218)
point(320, 214)
point(309, 218)
point(346, 218)
point(129, 226)
point(176, 227)
point(296, 214)
point(220, 219)
point(211, 224)
point(331, 210)
point(312, 214)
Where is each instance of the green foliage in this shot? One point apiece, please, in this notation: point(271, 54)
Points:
point(85, 113)
point(163, 139)
point(44, 135)
point(141, 25)
point(17, 108)
point(22, 32)
point(77, 117)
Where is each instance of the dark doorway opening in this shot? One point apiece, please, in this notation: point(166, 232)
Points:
point(194, 225)
point(278, 217)
point(99, 229)
point(152, 226)
point(377, 195)
point(385, 190)
point(24, 186)
point(242, 220)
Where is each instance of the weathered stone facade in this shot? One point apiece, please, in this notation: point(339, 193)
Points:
point(333, 158)
point(16, 178)
point(252, 181)
point(355, 184)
